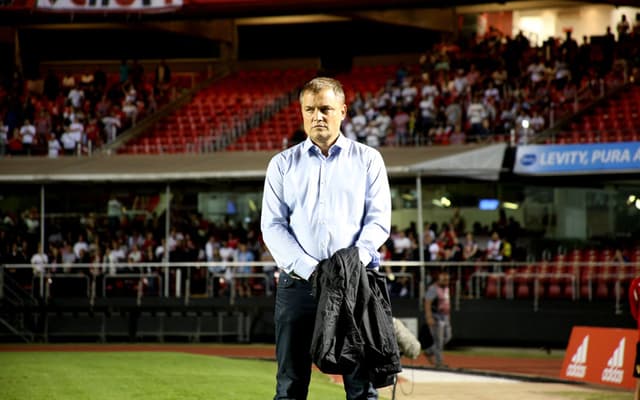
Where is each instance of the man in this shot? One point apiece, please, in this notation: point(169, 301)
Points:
point(322, 195)
point(437, 309)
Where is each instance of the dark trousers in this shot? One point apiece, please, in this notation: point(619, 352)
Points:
point(295, 314)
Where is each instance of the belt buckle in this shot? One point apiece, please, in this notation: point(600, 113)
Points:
point(295, 276)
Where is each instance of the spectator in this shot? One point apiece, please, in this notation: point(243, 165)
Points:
point(401, 126)
point(243, 285)
point(494, 249)
point(43, 124)
point(459, 86)
point(28, 135)
point(437, 309)
point(76, 97)
point(537, 121)
point(452, 111)
point(500, 78)
point(476, 114)
point(80, 245)
point(114, 213)
point(77, 130)
point(68, 141)
point(92, 134)
point(39, 260)
point(135, 255)
point(470, 248)
point(112, 124)
point(53, 146)
point(4, 137)
point(124, 71)
point(359, 122)
point(383, 122)
point(162, 78)
point(14, 145)
point(458, 222)
point(373, 135)
point(623, 28)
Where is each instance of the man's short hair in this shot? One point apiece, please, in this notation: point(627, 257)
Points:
point(316, 85)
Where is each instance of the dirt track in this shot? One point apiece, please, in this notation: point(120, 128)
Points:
point(491, 391)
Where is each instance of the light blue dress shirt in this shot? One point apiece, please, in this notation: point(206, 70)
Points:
point(313, 205)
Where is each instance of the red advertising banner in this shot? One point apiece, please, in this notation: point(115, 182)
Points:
point(81, 6)
point(16, 5)
point(604, 356)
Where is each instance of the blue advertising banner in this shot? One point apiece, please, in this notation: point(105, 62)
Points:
point(578, 158)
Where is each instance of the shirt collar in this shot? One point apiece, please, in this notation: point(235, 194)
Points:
point(341, 143)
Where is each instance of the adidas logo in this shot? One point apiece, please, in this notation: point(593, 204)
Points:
point(578, 366)
point(614, 372)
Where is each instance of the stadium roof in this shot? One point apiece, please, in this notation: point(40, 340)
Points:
point(470, 161)
point(21, 12)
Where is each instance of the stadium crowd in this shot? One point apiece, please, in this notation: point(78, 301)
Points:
point(494, 87)
point(77, 112)
point(112, 240)
point(110, 244)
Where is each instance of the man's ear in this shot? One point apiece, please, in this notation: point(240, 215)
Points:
point(344, 111)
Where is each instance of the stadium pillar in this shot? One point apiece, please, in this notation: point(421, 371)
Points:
point(572, 222)
point(167, 226)
point(42, 227)
point(420, 239)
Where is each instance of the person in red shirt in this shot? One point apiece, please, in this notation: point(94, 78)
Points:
point(634, 306)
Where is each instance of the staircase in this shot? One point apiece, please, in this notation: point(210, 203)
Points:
point(17, 319)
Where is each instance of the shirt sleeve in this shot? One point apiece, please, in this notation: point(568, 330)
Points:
point(431, 293)
point(377, 218)
point(277, 236)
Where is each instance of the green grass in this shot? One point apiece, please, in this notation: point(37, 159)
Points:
point(142, 376)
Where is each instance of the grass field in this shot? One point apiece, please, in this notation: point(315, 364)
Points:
point(142, 376)
point(168, 375)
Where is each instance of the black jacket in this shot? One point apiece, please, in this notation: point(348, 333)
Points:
point(354, 325)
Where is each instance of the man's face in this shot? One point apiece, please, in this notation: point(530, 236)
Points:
point(322, 114)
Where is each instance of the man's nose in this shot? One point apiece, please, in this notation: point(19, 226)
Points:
point(318, 115)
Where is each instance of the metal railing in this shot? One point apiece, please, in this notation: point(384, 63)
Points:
point(469, 279)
